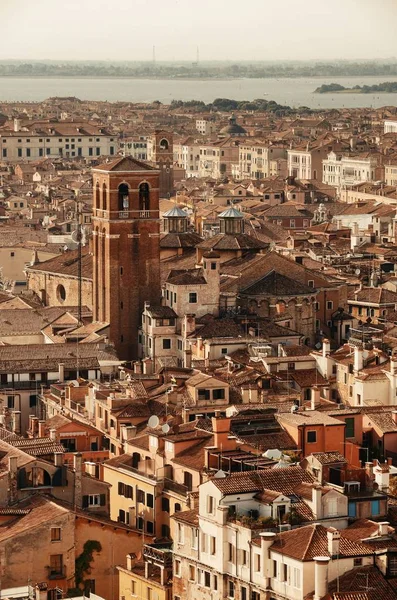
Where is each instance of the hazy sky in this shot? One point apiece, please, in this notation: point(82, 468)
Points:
point(223, 29)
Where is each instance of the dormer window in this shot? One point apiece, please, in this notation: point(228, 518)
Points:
point(169, 447)
point(153, 441)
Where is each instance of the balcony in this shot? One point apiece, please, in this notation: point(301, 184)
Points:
point(158, 554)
point(173, 486)
point(57, 573)
point(126, 214)
point(22, 385)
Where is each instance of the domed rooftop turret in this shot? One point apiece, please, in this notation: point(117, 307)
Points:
point(233, 128)
point(175, 211)
point(231, 213)
point(231, 221)
point(175, 220)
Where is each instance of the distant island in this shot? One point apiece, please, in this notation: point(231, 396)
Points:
point(184, 69)
point(388, 87)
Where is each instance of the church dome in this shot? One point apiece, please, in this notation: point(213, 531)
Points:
point(233, 128)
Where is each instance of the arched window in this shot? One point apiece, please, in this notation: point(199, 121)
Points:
point(104, 197)
point(37, 477)
point(97, 196)
point(144, 196)
point(124, 199)
point(164, 145)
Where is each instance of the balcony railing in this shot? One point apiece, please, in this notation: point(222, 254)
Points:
point(126, 214)
point(23, 385)
point(160, 554)
point(173, 486)
point(58, 573)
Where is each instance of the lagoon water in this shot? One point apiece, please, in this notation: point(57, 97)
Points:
point(292, 91)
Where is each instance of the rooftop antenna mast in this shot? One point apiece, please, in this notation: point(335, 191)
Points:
point(154, 55)
point(197, 55)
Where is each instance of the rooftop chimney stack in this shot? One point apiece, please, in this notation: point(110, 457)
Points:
point(333, 538)
point(320, 577)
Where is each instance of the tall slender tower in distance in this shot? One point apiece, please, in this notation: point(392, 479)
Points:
point(126, 232)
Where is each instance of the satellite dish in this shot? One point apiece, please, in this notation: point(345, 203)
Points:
point(165, 428)
point(153, 422)
point(357, 272)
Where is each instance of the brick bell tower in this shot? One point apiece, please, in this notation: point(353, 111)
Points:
point(126, 236)
point(163, 157)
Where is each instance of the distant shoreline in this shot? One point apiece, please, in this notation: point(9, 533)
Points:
point(188, 77)
point(388, 87)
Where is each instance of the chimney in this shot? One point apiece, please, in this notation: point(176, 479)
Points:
point(61, 372)
point(267, 539)
point(223, 513)
point(317, 506)
point(40, 591)
point(12, 495)
point(35, 426)
point(16, 421)
point(78, 468)
point(13, 464)
point(358, 359)
point(89, 468)
point(326, 347)
point(147, 366)
point(315, 397)
point(129, 432)
point(31, 421)
point(393, 364)
point(369, 471)
point(188, 324)
point(333, 538)
point(221, 430)
point(17, 125)
point(58, 459)
point(137, 367)
point(355, 229)
point(131, 561)
point(383, 528)
point(320, 577)
point(41, 429)
point(53, 433)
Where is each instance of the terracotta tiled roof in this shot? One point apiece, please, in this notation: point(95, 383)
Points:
point(363, 583)
point(67, 264)
point(187, 516)
point(307, 542)
point(187, 277)
point(239, 241)
point(308, 378)
point(373, 296)
point(276, 284)
point(180, 240)
point(124, 163)
point(329, 458)
point(383, 421)
point(41, 512)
